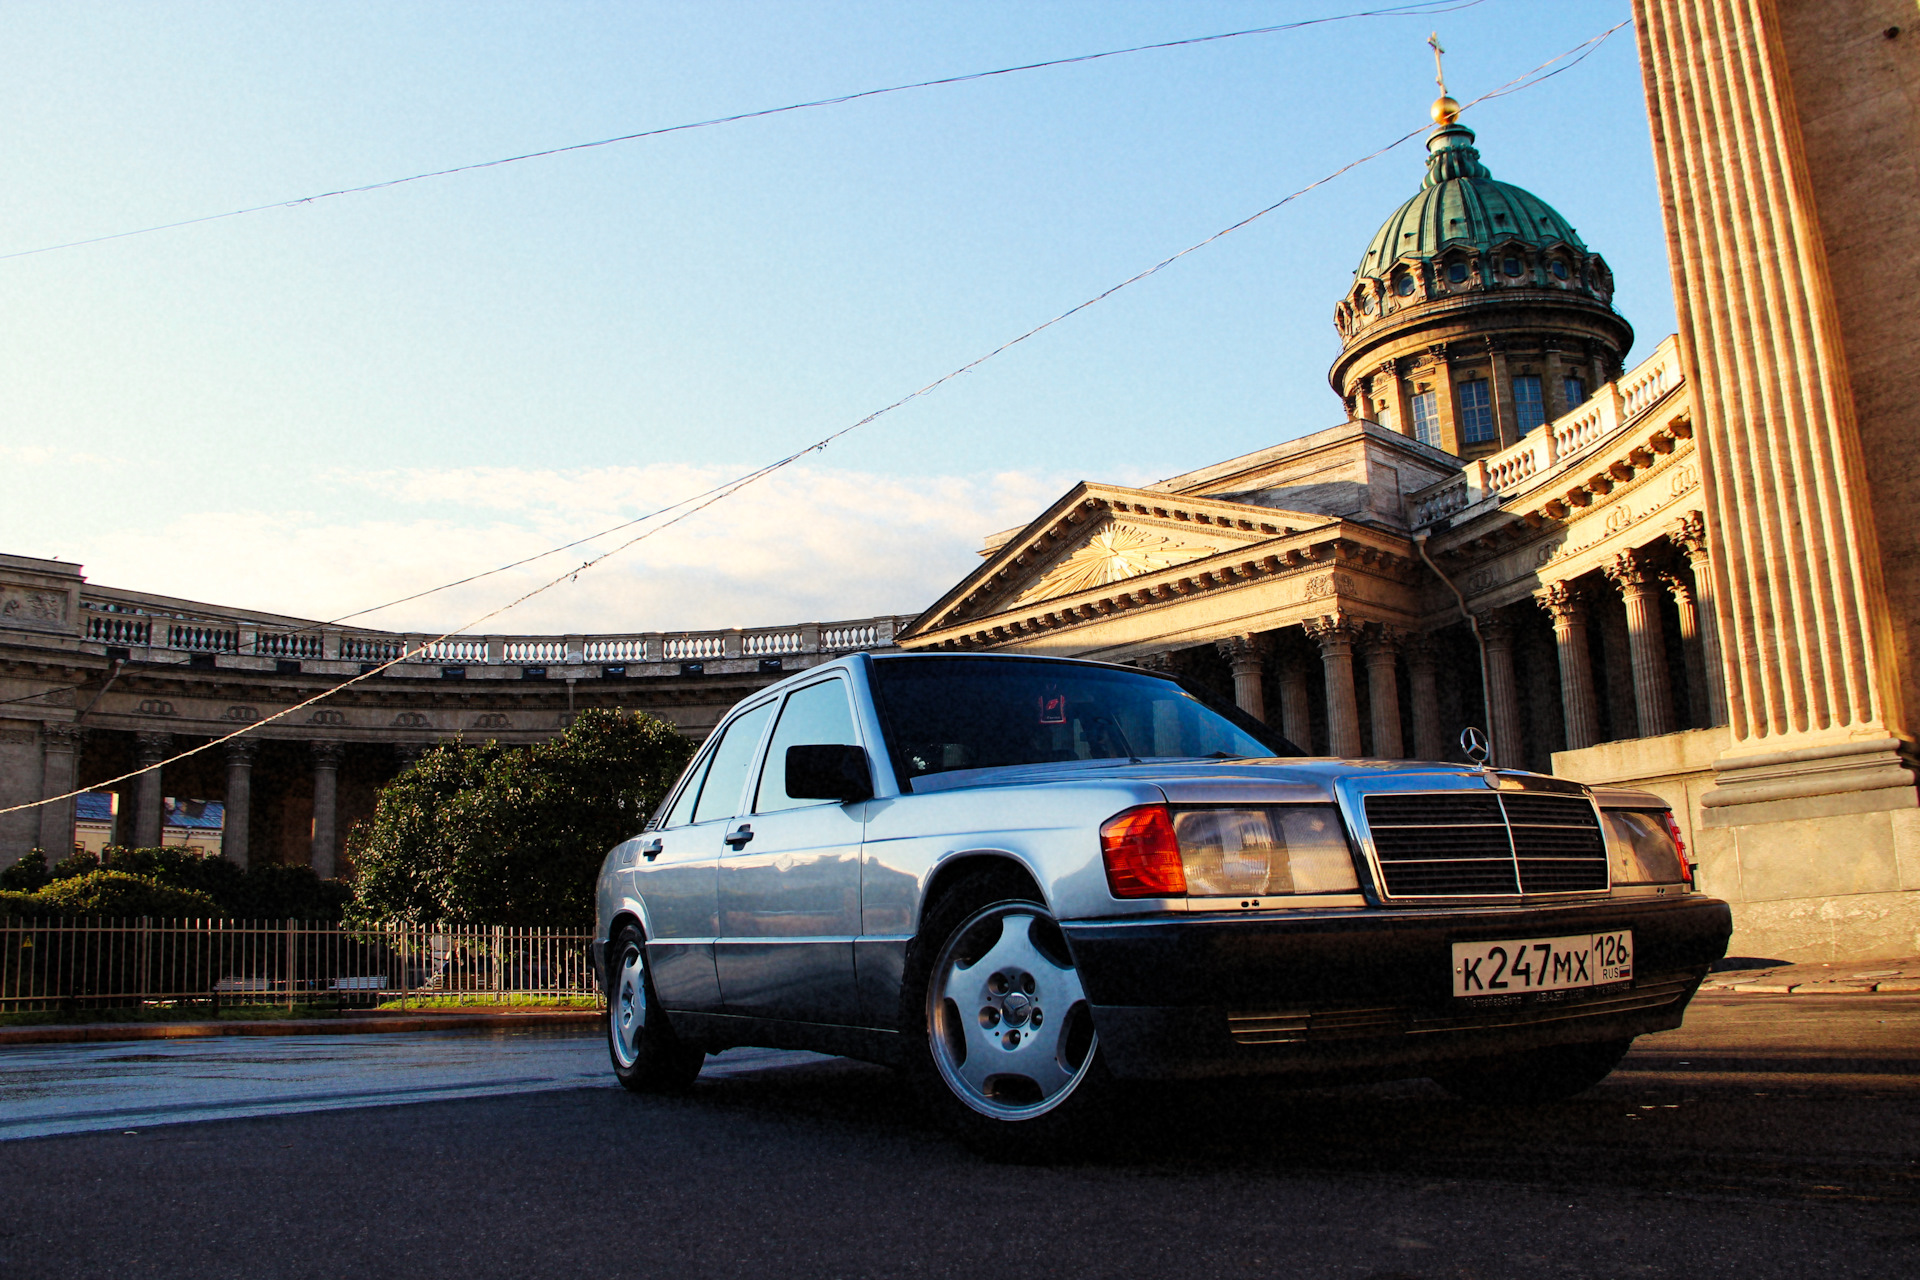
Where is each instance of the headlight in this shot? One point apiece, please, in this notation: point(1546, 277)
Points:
point(1641, 848)
point(1227, 853)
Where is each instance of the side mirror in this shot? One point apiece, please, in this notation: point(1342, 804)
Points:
point(835, 772)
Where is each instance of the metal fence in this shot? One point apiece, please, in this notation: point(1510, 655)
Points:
point(77, 964)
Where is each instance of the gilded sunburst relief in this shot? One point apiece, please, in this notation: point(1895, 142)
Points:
point(1117, 552)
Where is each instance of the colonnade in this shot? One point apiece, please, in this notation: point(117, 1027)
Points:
point(61, 745)
point(1641, 684)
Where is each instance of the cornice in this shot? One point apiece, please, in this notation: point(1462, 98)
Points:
point(1328, 557)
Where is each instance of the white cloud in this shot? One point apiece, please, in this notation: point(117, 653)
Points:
point(810, 543)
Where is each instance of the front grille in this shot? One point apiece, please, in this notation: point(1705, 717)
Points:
point(1499, 844)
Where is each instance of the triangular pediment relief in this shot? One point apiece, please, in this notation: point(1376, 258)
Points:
point(1117, 551)
point(1095, 535)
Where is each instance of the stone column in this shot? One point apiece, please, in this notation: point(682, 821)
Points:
point(1429, 742)
point(326, 771)
point(234, 836)
point(1689, 533)
point(1768, 124)
point(59, 743)
point(1646, 639)
point(1503, 692)
point(1569, 612)
point(1296, 717)
point(1247, 655)
point(1682, 592)
point(150, 750)
point(1334, 633)
point(1383, 692)
point(1617, 654)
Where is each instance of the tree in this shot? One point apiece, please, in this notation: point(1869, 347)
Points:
point(502, 835)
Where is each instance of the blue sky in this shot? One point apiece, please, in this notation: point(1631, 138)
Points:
point(317, 408)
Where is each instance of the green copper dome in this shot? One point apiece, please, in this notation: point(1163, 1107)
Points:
point(1460, 204)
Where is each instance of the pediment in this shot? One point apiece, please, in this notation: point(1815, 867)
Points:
point(1117, 550)
point(1096, 535)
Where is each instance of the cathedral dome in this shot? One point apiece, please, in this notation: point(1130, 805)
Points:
point(1461, 204)
point(1476, 312)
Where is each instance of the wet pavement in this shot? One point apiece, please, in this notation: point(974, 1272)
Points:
point(53, 1089)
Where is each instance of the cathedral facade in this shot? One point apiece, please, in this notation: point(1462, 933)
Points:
point(1670, 574)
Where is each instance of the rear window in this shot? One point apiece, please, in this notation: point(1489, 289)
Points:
point(942, 714)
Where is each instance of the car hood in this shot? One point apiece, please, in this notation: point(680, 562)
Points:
point(1299, 777)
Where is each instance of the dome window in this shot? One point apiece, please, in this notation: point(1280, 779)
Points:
point(1559, 269)
point(1457, 272)
point(1511, 266)
point(1366, 303)
point(1403, 285)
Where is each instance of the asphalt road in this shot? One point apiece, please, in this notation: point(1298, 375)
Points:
point(1769, 1137)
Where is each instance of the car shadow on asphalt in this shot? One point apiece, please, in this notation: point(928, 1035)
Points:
point(1745, 1133)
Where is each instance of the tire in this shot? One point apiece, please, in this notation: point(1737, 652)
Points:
point(647, 1057)
point(999, 1034)
point(1552, 1074)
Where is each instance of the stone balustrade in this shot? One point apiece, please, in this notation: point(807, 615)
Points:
point(1614, 407)
point(129, 621)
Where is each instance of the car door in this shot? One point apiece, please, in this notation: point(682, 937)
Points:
point(790, 880)
point(677, 871)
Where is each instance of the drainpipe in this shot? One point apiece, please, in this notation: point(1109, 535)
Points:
point(1486, 697)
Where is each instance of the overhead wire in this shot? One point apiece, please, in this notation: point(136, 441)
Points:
point(1417, 8)
point(1578, 53)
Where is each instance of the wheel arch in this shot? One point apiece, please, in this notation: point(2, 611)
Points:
point(963, 866)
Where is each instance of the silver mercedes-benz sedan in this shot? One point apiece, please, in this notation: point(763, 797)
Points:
point(1028, 880)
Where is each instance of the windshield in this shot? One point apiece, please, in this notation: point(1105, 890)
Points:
point(942, 714)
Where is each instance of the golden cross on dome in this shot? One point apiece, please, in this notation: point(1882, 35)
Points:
point(1439, 74)
point(1445, 109)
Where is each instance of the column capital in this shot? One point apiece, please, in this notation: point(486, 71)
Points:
point(1419, 648)
point(62, 735)
point(1496, 630)
point(1678, 587)
point(1162, 661)
point(1628, 572)
point(152, 748)
point(326, 755)
point(1689, 533)
point(1563, 601)
point(1382, 638)
point(1333, 631)
point(241, 751)
point(1246, 648)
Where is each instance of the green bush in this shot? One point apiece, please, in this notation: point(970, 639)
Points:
point(78, 863)
point(497, 835)
point(266, 891)
point(17, 902)
point(116, 894)
point(28, 874)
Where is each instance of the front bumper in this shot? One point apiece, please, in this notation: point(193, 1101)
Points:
point(1367, 992)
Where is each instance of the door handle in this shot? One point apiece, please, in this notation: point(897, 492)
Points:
point(650, 849)
point(739, 836)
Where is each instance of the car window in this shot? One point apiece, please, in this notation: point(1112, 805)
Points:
point(817, 715)
point(941, 714)
point(682, 811)
point(720, 792)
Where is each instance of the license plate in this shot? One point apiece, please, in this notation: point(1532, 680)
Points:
point(1541, 964)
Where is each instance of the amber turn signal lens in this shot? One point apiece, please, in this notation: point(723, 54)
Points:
point(1141, 854)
